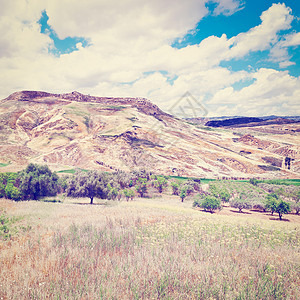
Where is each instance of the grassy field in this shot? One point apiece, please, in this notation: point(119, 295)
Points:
point(155, 248)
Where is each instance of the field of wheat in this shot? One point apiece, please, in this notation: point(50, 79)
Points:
point(144, 249)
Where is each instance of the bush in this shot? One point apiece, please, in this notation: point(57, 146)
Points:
point(113, 192)
point(209, 203)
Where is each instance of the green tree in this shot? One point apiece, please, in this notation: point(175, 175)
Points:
point(175, 187)
point(240, 204)
point(209, 203)
point(12, 192)
point(183, 193)
point(271, 202)
point(3, 182)
point(141, 186)
point(129, 194)
point(160, 183)
point(37, 181)
point(89, 184)
point(296, 207)
point(253, 181)
point(282, 207)
point(113, 192)
point(224, 195)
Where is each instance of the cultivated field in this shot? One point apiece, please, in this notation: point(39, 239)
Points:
point(155, 248)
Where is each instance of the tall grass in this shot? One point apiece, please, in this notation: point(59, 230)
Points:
point(130, 252)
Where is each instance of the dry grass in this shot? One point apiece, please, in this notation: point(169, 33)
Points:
point(146, 249)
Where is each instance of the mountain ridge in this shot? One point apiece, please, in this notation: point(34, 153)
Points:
point(73, 130)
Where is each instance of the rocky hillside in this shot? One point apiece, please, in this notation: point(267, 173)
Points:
point(73, 130)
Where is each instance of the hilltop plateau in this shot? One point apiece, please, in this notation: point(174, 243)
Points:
point(73, 130)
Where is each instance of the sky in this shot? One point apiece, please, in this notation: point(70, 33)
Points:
point(233, 57)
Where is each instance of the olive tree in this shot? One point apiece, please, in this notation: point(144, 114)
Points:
point(208, 203)
point(89, 184)
point(37, 181)
point(160, 183)
point(282, 207)
point(240, 204)
point(141, 186)
point(175, 187)
point(129, 194)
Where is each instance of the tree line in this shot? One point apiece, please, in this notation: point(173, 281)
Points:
point(38, 181)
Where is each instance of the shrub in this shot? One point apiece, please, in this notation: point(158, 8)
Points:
point(8, 186)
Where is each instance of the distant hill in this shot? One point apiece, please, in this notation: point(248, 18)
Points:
point(249, 122)
point(233, 122)
point(72, 130)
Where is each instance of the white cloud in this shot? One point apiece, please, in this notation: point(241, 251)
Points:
point(279, 53)
point(270, 90)
point(278, 17)
point(130, 45)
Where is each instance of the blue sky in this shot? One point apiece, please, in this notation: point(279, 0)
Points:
point(237, 57)
point(241, 21)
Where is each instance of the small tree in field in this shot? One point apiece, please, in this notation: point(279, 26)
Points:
point(141, 186)
point(37, 181)
point(282, 207)
point(183, 194)
point(271, 202)
point(175, 187)
point(209, 203)
point(240, 204)
point(89, 184)
point(224, 195)
point(296, 207)
point(160, 183)
point(129, 194)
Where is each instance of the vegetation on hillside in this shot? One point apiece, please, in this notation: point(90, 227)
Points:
point(36, 182)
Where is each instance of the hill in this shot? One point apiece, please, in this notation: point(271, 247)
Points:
point(249, 122)
point(73, 130)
